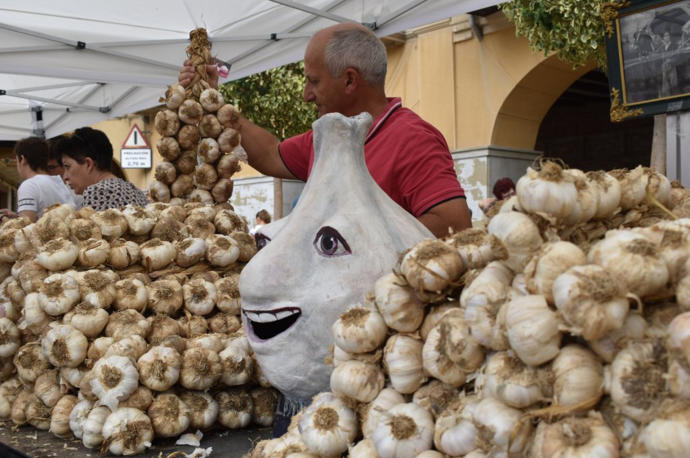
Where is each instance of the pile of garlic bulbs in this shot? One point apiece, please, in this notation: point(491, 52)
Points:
point(562, 330)
point(198, 137)
point(123, 325)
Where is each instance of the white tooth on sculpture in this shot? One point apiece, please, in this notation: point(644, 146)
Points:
point(285, 314)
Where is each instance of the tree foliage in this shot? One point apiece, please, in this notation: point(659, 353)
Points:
point(574, 29)
point(273, 100)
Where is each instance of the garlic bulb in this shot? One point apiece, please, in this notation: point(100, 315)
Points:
point(165, 175)
point(227, 221)
point(199, 296)
point(48, 388)
point(114, 379)
point(633, 259)
point(327, 426)
point(434, 315)
point(78, 416)
point(60, 416)
point(162, 326)
point(228, 294)
point(519, 235)
point(8, 393)
point(634, 328)
point(72, 376)
point(406, 431)
point(224, 323)
point(455, 432)
point(92, 435)
point(585, 206)
point(168, 147)
point(202, 409)
point(431, 265)
point(132, 347)
point(483, 299)
point(130, 293)
point(609, 193)
point(532, 329)
point(139, 220)
point(18, 412)
point(193, 325)
point(158, 191)
point(30, 274)
point(402, 360)
point(8, 252)
point(125, 323)
point(168, 415)
point(97, 287)
point(34, 318)
point(210, 128)
point(436, 355)
point(58, 254)
point(208, 149)
point(477, 248)
point(30, 362)
point(237, 361)
point(229, 139)
point(575, 437)
point(265, 401)
point(504, 426)
point(141, 399)
point(221, 250)
point(550, 191)
point(112, 223)
point(234, 408)
point(435, 396)
point(167, 123)
point(509, 380)
point(156, 254)
point(222, 190)
point(591, 300)
point(58, 294)
point(190, 112)
point(211, 100)
point(668, 434)
point(123, 253)
point(636, 379)
point(578, 377)
point(93, 252)
point(201, 368)
point(678, 340)
point(165, 296)
point(357, 380)
point(553, 259)
point(37, 413)
point(159, 368)
point(201, 196)
point(190, 251)
point(127, 431)
point(188, 137)
point(359, 330)
point(228, 115)
point(363, 449)
point(373, 413)
point(98, 348)
point(63, 345)
point(199, 226)
point(9, 338)
point(398, 304)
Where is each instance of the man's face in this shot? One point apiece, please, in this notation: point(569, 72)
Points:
point(326, 92)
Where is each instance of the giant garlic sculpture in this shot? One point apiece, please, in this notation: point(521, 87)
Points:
point(343, 234)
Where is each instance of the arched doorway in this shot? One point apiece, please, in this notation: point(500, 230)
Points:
point(578, 130)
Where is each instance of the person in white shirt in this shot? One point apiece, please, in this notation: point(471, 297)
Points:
point(38, 190)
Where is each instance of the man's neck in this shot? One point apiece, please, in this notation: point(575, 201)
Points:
point(373, 103)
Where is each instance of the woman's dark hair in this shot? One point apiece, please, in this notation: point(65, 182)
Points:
point(264, 216)
point(87, 142)
point(502, 186)
point(35, 150)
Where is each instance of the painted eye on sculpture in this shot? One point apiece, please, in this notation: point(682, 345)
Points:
point(261, 240)
point(329, 242)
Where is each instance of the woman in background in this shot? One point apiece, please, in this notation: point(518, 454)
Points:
point(87, 157)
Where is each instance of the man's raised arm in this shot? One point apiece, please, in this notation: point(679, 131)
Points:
point(261, 146)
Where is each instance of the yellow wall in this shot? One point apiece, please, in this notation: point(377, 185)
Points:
point(493, 91)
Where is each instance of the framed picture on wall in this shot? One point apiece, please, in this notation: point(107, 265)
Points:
point(648, 53)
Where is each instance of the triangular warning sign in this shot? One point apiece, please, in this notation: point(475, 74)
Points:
point(135, 139)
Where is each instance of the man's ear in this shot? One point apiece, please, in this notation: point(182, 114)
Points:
point(352, 80)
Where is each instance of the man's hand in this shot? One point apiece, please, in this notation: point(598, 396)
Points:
point(187, 74)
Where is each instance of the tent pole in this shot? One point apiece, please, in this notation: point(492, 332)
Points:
point(395, 14)
point(59, 118)
point(54, 101)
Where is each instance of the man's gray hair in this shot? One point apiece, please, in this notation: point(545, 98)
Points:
point(358, 48)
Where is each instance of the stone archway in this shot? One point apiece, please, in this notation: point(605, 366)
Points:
point(520, 116)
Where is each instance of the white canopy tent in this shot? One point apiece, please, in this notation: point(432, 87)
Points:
point(77, 62)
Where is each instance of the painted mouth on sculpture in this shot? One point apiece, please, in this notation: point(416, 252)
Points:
point(266, 324)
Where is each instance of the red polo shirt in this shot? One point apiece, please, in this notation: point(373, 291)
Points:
point(407, 157)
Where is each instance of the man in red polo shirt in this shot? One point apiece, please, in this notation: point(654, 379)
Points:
point(345, 68)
